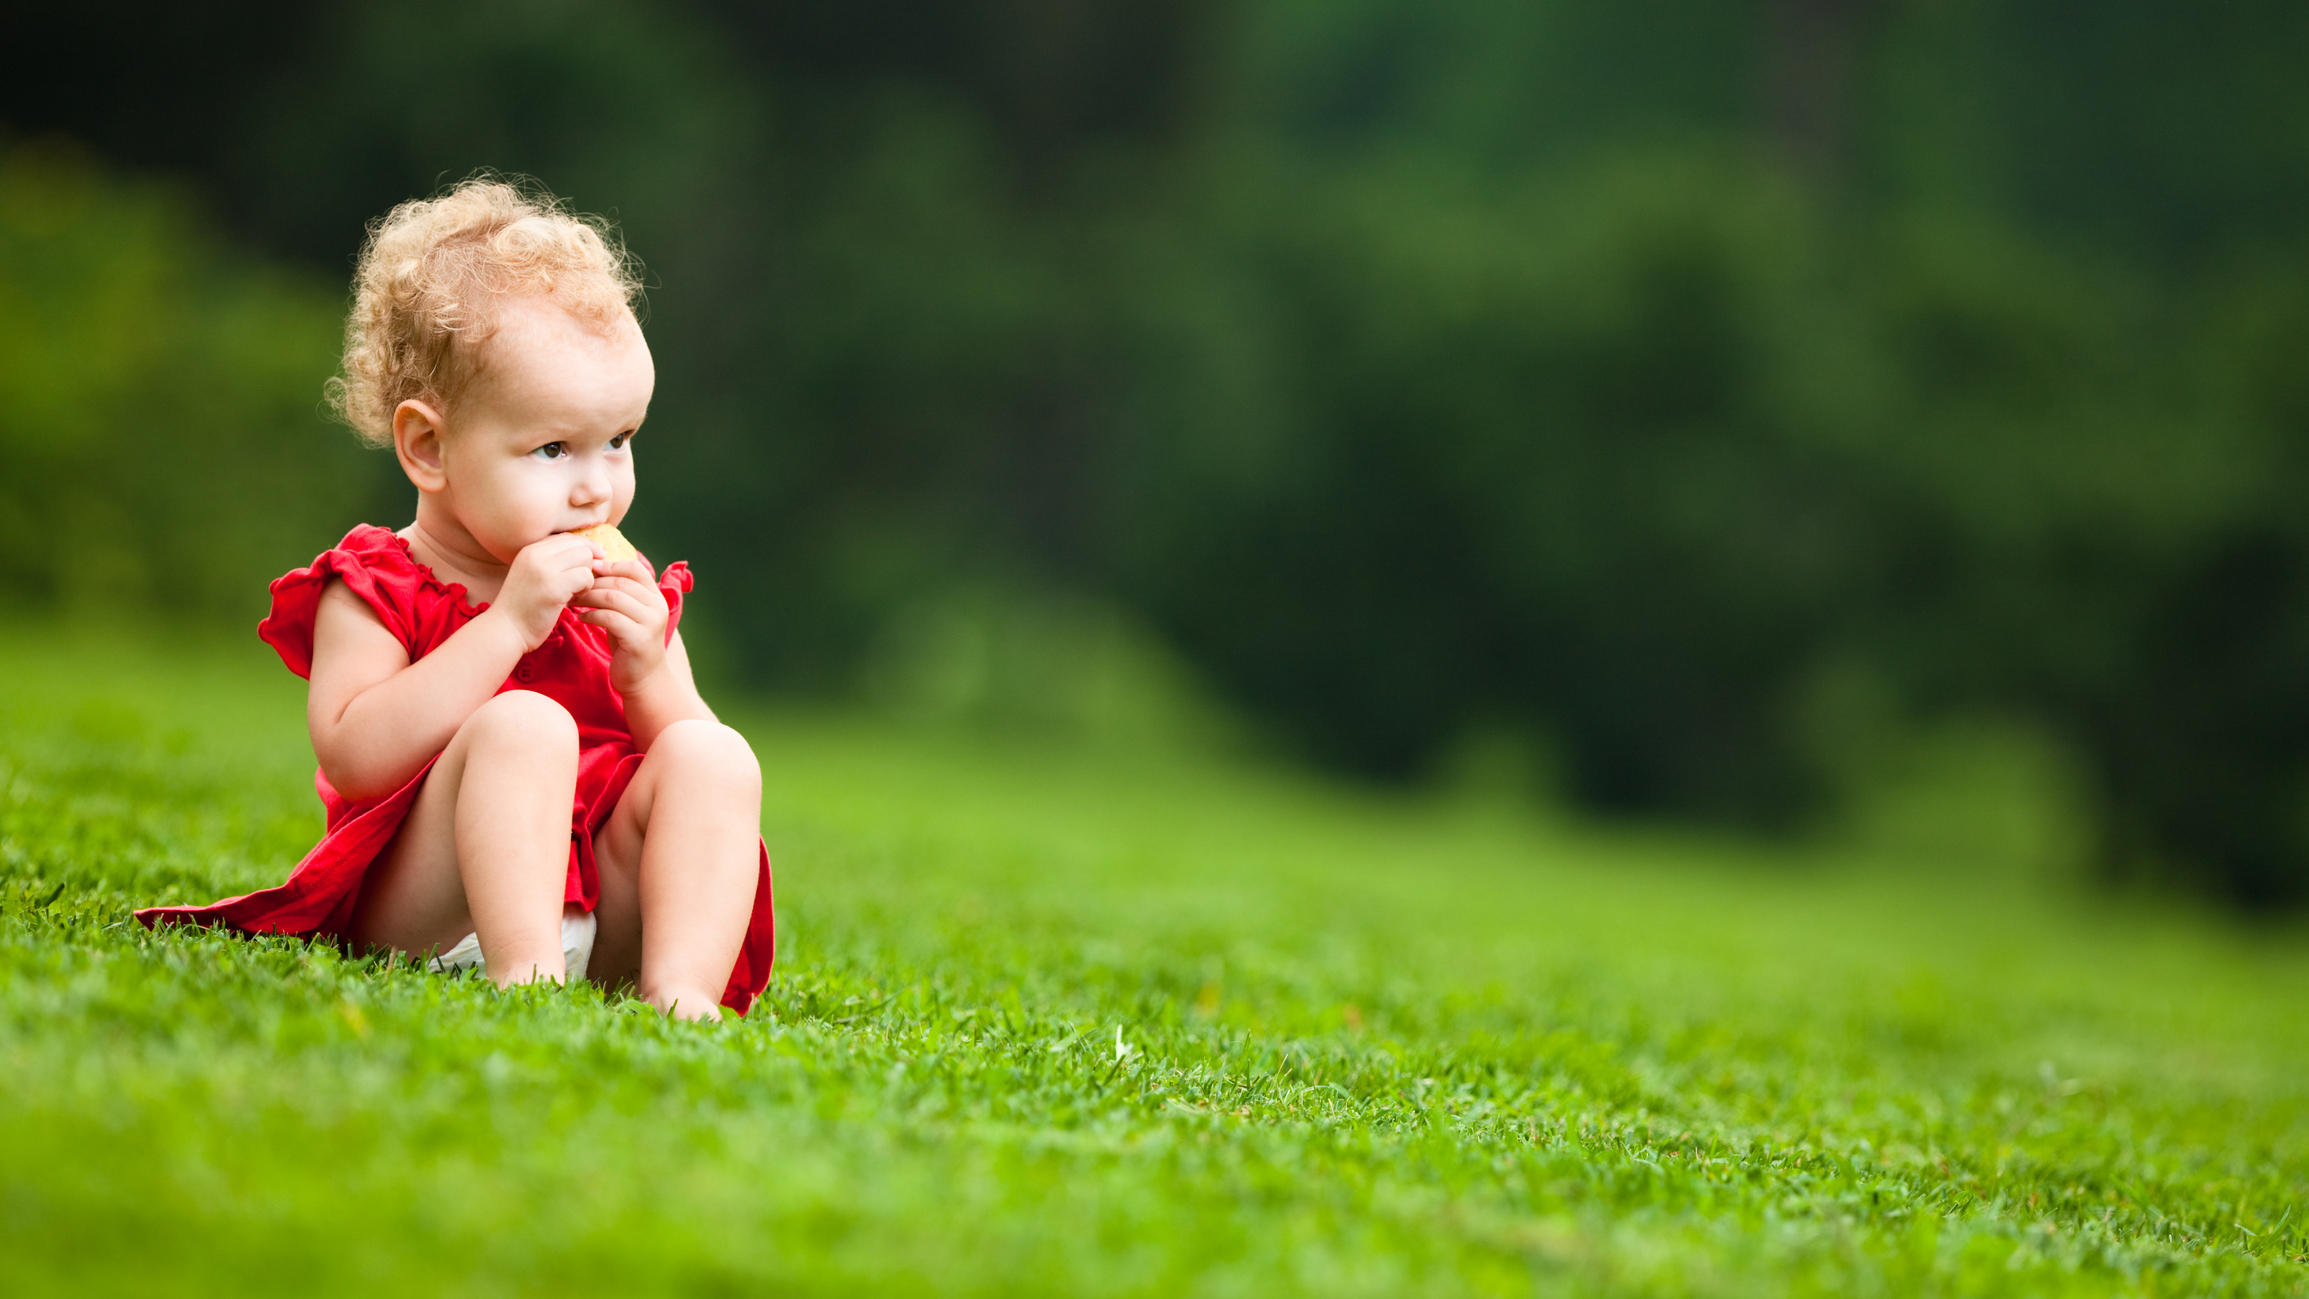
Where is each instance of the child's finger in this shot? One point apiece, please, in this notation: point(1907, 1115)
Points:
point(639, 590)
point(609, 620)
point(632, 569)
point(645, 608)
point(569, 588)
point(567, 551)
point(622, 624)
point(624, 602)
point(625, 580)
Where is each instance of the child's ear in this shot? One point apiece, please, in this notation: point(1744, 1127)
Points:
point(417, 437)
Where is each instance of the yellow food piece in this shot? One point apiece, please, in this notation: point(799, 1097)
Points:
point(614, 546)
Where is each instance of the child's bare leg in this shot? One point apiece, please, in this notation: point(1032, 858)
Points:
point(485, 850)
point(679, 859)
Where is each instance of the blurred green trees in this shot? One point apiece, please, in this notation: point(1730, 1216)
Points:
point(160, 436)
point(1702, 388)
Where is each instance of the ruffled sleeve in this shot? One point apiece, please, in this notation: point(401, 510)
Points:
point(674, 583)
point(374, 565)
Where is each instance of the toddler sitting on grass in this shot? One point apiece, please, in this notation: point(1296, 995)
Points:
point(518, 769)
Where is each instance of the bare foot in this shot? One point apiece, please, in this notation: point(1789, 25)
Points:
point(535, 972)
point(689, 1005)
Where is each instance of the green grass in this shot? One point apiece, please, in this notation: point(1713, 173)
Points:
point(1366, 1047)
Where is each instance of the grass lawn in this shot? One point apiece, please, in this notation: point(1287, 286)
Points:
point(1082, 1022)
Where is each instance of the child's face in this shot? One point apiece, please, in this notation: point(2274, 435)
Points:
point(541, 441)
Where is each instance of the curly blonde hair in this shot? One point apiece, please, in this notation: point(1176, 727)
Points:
point(433, 269)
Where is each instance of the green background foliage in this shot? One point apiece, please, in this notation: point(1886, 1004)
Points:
point(157, 408)
point(1880, 419)
point(1716, 398)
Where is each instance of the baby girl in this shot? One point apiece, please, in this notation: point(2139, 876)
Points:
point(518, 769)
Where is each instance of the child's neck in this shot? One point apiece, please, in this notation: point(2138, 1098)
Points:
point(442, 544)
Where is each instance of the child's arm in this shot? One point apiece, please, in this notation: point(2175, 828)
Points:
point(376, 718)
point(649, 668)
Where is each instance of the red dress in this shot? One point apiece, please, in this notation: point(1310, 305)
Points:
point(571, 668)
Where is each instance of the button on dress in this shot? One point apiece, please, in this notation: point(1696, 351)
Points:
point(571, 668)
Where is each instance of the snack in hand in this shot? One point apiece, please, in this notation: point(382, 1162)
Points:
point(614, 547)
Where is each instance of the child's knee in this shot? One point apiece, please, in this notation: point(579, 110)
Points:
point(522, 720)
point(708, 750)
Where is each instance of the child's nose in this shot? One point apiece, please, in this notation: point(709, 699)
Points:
point(592, 483)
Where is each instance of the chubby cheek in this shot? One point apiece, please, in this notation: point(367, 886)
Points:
point(621, 491)
point(519, 505)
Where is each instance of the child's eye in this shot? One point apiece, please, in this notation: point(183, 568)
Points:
point(552, 450)
point(618, 443)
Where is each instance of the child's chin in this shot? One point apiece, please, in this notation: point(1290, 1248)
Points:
point(505, 552)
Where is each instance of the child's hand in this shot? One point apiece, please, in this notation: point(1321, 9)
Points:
point(542, 579)
point(625, 601)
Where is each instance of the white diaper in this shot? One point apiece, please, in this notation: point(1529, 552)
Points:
point(577, 929)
